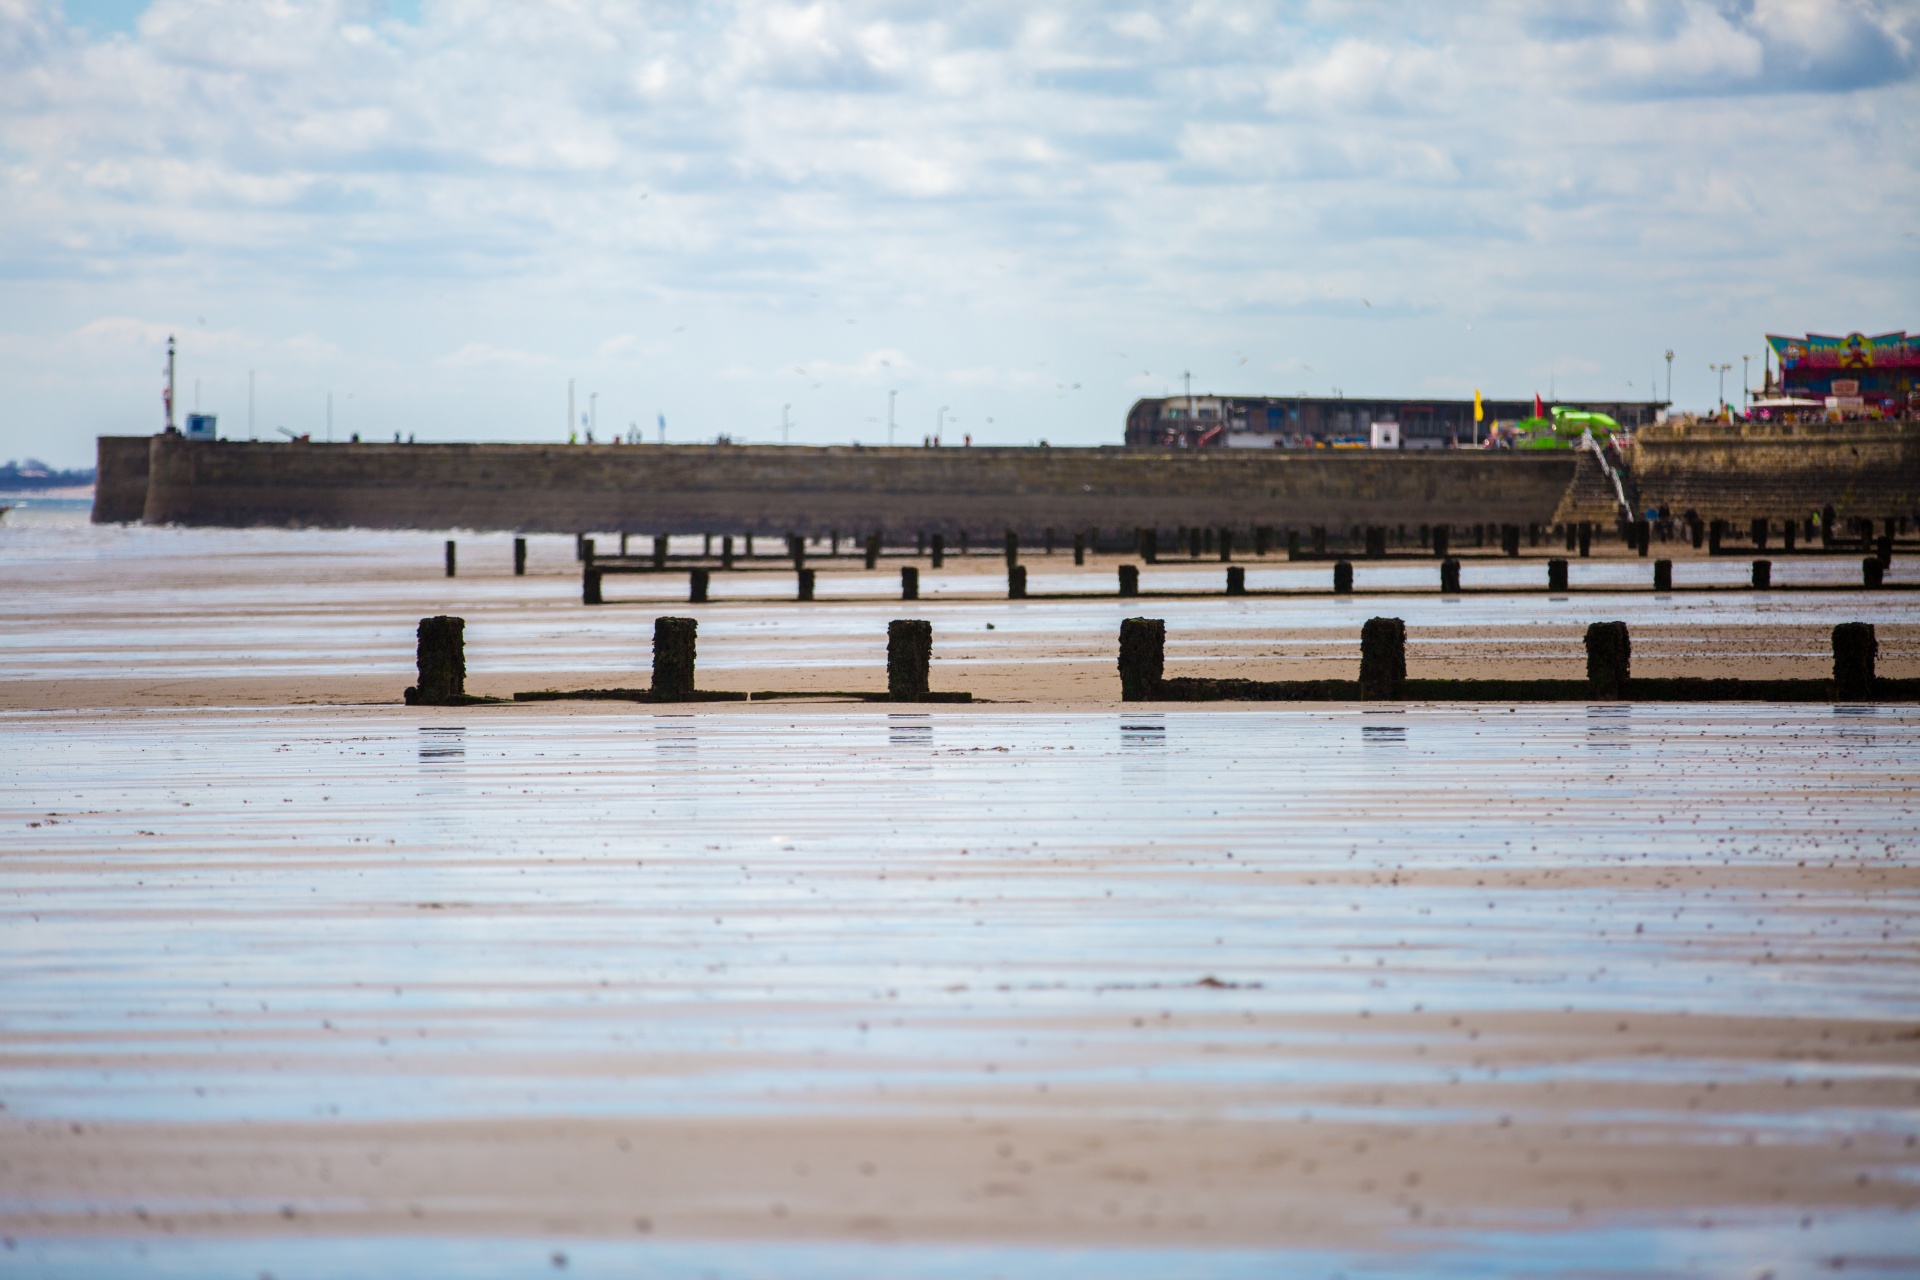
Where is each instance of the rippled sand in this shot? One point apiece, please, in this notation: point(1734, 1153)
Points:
point(1033, 989)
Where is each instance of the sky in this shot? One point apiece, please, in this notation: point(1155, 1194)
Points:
point(1002, 220)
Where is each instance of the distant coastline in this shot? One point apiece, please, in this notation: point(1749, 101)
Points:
point(36, 477)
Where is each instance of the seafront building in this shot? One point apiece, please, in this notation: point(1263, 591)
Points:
point(1308, 422)
point(1854, 376)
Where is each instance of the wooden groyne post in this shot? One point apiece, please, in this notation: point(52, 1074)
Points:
point(1383, 659)
point(1855, 646)
point(440, 662)
point(1609, 658)
point(909, 659)
point(1143, 657)
point(673, 653)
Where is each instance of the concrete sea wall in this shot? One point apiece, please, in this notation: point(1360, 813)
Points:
point(120, 478)
point(1742, 471)
point(776, 490)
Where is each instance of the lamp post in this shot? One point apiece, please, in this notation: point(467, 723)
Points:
point(1746, 393)
point(1669, 377)
point(1721, 369)
point(783, 422)
point(939, 423)
point(890, 396)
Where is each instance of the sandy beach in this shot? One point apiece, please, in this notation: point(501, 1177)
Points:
point(296, 969)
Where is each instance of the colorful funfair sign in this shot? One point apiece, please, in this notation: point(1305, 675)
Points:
point(1855, 351)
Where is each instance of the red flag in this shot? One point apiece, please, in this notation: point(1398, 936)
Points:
point(1539, 410)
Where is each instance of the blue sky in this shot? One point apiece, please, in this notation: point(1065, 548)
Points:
point(1017, 216)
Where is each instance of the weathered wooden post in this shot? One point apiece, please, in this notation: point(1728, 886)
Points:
point(1440, 540)
point(586, 551)
point(909, 659)
point(1376, 542)
point(1789, 529)
point(1556, 574)
point(519, 557)
point(450, 546)
point(1450, 574)
point(1013, 548)
point(1510, 539)
point(747, 550)
point(873, 550)
point(1573, 534)
point(659, 552)
point(1533, 535)
point(966, 544)
point(1150, 545)
point(805, 585)
point(1049, 539)
point(939, 549)
point(1383, 659)
point(1715, 532)
point(706, 544)
point(1758, 530)
point(1079, 548)
point(1480, 535)
point(726, 552)
point(1342, 578)
point(589, 585)
point(797, 551)
point(1143, 657)
point(1586, 538)
point(1319, 539)
point(440, 662)
point(1872, 572)
point(697, 580)
point(1016, 582)
point(673, 650)
point(1854, 648)
point(909, 583)
point(1236, 580)
point(579, 546)
point(1226, 545)
point(1293, 544)
point(1663, 575)
point(1762, 574)
point(1883, 550)
point(1262, 539)
point(833, 543)
point(1827, 517)
point(1130, 579)
point(1643, 537)
point(1194, 540)
point(1609, 658)
point(623, 542)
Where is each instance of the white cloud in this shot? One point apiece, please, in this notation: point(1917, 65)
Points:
point(983, 186)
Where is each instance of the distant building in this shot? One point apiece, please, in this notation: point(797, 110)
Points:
point(1851, 374)
point(1295, 422)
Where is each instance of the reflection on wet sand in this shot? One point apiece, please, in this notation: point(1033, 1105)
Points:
point(1276, 989)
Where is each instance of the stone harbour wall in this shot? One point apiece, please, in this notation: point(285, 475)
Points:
point(775, 490)
point(1746, 470)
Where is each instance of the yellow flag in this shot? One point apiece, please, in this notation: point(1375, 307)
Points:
point(1479, 414)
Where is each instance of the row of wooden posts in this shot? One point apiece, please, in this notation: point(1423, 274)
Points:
point(700, 582)
point(1435, 541)
point(440, 658)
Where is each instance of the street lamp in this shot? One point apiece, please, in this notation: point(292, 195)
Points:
point(1746, 393)
point(1669, 377)
point(783, 422)
point(1721, 369)
point(939, 423)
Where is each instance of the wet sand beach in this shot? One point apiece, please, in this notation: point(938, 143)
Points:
point(305, 982)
